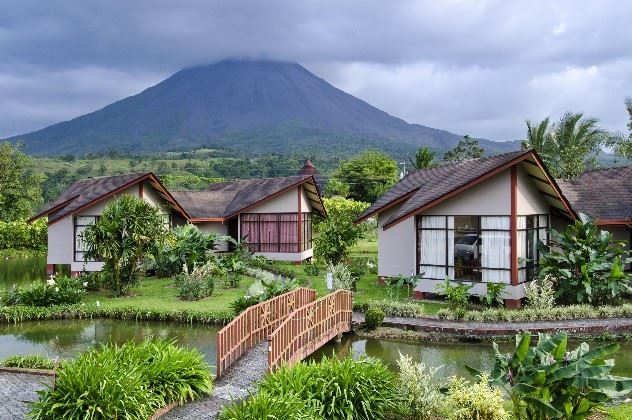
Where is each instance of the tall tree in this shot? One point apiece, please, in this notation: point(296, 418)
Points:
point(424, 158)
point(20, 185)
point(540, 137)
point(468, 148)
point(623, 144)
point(578, 141)
point(369, 175)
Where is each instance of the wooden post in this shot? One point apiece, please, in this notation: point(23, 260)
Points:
point(299, 230)
point(513, 225)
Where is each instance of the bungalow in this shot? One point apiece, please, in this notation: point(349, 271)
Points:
point(274, 215)
point(480, 220)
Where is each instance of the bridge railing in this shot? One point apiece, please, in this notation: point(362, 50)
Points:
point(309, 327)
point(254, 325)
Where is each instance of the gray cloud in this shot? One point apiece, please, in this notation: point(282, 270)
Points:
point(477, 67)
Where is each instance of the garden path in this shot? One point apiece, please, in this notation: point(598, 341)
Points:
point(16, 389)
point(237, 382)
point(477, 329)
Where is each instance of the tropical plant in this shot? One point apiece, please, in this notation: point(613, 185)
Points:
point(131, 381)
point(424, 158)
point(311, 268)
point(540, 293)
point(262, 290)
point(197, 283)
point(263, 405)
point(56, 291)
point(494, 295)
point(371, 165)
point(588, 264)
point(458, 296)
point(540, 138)
point(373, 318)
point(418, 391)
point(548, 381)
point(126, 232)
point(185, 244)
point(342, 278)
point(338, 389)
point(393, 308)
point(467, 148)
point(466, 401)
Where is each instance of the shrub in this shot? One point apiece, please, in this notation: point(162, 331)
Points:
point(262, 290)
point(242, 303)
point(94, 280)
point(196, 284)
point(263, 405)
point(311, 268)
point(548, 381)
point(373, 318)
point(130, 381)
point(588, 264)
point(56, 291)
point(342, 278)
point(458, 296)
point(128, 229)
point(393, 308)
point(341, 389)
point(541, 293)
point(418, 392)
point(494, 295)
point(32, 361)
point(21, 235)
point(479, 401)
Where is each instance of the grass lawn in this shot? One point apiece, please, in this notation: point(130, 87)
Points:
point(153, 294)
point(160, 295)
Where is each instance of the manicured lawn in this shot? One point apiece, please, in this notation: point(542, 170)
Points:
point(160, 295)
point(620, 412)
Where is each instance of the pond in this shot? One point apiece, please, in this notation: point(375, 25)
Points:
point(22, 270)
point(66, 338)
point(452, 356)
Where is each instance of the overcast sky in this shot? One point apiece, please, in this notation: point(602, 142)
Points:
point(471, 67)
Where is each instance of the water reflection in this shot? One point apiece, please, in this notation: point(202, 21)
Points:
point(24, 270)
point(66, 338)
point(452, 356)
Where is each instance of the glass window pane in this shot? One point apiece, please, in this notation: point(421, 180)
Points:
point(467, 258)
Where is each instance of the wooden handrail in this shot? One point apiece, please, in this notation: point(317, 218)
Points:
point(254, 325)
point(309, 327)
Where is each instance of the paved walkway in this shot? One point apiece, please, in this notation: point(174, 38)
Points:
point(468, 328)
point(236, 383)
point(15, 390)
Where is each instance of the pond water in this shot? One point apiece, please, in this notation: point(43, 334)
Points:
point(23, 270)
point(452, 356)
point(64, 339)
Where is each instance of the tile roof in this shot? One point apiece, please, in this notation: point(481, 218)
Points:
point(602, 193)
point(426, 185)
point(84, 192)
point(224, 199)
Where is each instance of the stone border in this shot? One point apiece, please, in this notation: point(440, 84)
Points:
point(467, 329)
point(162, 411)
point(36, 372)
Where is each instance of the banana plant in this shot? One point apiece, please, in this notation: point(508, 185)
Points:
point(546, 381)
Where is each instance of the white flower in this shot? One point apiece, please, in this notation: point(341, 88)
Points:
point(98, 303)
point(85, 284)
point(57, 289)
point(51, 281)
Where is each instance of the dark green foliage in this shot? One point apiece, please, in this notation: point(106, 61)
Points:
point(269, 289)
point(197, 283)
point(242, 303)
point(265, 406)
point(131, 381)
point(549, 381)
point(183, 245)
point(494, 295)
point(56, 291)
point(31, 361)
point(467, 148)
point(373, 318)
point(338, 389)
point(369, 175)
point(424, 158)
point(274, 267)
point(94, 280)
point(126, 232)
point(458, 295)
point(311, 268)
point(20, 185)
point(586, 263)
point(20, 235)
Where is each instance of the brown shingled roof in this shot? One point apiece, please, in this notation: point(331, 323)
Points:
point(605, 194)
point(225, 199)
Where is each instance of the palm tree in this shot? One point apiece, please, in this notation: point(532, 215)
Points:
point(578, 141)
point(540, 137)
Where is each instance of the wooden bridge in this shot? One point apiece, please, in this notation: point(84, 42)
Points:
point(295, 325)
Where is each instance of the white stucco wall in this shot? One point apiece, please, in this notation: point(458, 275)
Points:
point(284, 203)
point(529, 198)
point(287, 256)
point(60, 242)
point(491, 197)
point(396, 246)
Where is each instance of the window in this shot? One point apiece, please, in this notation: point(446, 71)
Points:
point(80, 224)
point(477, 248)
point(276, 232)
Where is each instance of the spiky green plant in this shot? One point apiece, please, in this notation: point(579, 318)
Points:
point(265, 406)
